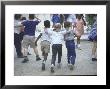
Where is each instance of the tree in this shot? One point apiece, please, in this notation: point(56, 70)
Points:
point(90, 19)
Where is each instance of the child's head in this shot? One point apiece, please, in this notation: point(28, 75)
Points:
point(31, 16)
point(67, 24)
point(79, 16)
point(57, 26)
point(47, 23)
point(17, 16)
point(23, 18)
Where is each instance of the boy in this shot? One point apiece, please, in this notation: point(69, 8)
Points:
point(56, 39)
point(29, 36)
point(45, 42)
point(17, 30)
point(70, 45)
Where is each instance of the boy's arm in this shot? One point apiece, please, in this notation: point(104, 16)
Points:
point(65, 32)
point(38, 38)
point(37, 19)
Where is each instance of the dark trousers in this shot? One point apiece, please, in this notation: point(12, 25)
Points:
point(17, 43)
point(71, 53)
point(21, 36)
point(56, 48)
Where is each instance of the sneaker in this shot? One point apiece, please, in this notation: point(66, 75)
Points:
point(52, 69)
point(71, 67)
point(43, 66)
point(25, 60)
point(59, 65)
point(78, 46)
point(37, 59)
point(94, 59)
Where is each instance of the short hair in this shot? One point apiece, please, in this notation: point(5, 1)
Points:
point(17, 16)
point(66, 24)
point(23, 18)
point(79, 16)
point(57, 25)
point(31, 16)
point(47, 23)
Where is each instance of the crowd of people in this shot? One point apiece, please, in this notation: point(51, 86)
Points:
point(65, 27)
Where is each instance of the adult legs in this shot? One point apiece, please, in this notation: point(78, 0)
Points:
point(94, 50)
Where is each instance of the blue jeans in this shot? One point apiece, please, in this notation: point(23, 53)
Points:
point(71, 53)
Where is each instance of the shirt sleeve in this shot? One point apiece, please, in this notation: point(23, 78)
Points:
point(18, 24)
point(37, 22)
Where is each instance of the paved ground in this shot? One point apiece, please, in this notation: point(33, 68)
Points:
point(83, 65)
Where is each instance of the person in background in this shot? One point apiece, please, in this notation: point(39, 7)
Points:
point(62, 18)
point(79, 28)
point(93, 37)
point(55, 19)
point(66, 16)
point(72, 19)
point(22, 33)
point(17, 30)
point(45, 42)
point(29, 36)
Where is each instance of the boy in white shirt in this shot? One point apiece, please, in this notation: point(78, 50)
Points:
point(57, 36)
point(45, 42)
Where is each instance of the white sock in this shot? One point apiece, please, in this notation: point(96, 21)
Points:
point(78, 45)
point(52, 65)
point(93, 56)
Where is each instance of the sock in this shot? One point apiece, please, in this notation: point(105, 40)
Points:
point(93, 56)
point(78, 45)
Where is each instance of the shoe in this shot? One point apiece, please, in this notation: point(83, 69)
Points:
point(43, 66)
point(25, 60)
point(68, 65)
point(28, 53)
point(52, 69)
point(21, 56)
point(71, 67)
point(94, 59)
point(37, 59)
point(59, 65)
point(78, 46)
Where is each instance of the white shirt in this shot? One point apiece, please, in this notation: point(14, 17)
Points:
point(56, 37)
point(17, 29)
point(45, 36)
